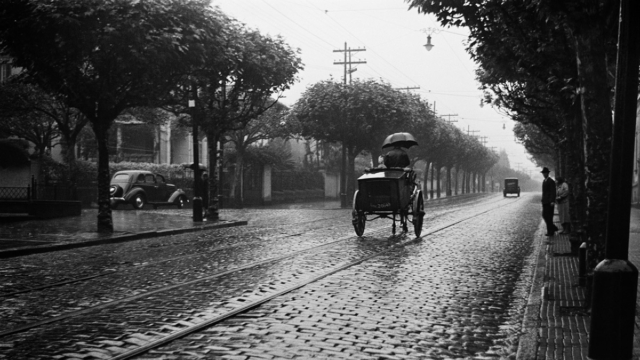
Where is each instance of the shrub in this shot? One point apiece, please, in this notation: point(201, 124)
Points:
point(87, 172)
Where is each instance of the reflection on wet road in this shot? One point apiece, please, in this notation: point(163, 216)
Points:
point(458, 292)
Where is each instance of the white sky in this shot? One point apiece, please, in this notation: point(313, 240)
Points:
point(393, 38)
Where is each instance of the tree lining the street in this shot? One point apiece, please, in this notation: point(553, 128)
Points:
point(251, 141)
point(102, 57)
point(362, 114)
point(549, 64)
point(243, 76)
point(359, 115)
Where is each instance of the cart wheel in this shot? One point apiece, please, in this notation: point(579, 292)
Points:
point(418, 213)
point(358, 218)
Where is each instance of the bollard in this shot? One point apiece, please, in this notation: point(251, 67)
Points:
point(613, 310)
point(582, 264)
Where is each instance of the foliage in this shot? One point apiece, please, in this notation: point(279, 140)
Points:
point(549, 64)
point(26, 113)
point(275, 153)
point(87, 171)
point(14, 153)
point(104, 56)
point(540, 146)
point(360, 114)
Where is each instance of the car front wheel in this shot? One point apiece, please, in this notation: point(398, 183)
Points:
point(138, 202)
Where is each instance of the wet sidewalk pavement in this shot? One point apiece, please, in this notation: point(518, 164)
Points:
point(33, 235)
point(557, 321)
point(22, 235)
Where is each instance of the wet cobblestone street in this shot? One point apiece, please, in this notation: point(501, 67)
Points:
point(458, 292)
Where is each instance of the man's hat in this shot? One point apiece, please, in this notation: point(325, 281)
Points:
point(545, 170)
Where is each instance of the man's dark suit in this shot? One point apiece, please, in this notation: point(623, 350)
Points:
point(548, 200)
point(396, 158)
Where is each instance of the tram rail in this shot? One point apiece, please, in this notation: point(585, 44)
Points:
point(188, 329)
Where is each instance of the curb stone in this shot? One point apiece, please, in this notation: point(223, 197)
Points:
point(15, 252)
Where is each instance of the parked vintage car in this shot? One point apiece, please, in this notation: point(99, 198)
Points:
point(511, 187)
point(139, 187)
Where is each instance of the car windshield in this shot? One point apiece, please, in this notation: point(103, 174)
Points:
point(120, 178)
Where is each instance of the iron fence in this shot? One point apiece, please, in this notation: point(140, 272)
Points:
point(15, 193)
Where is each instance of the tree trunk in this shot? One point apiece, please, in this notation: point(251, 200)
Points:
point(105, 221)
point(68, 153)
point(577, 190)
point(463, 183)
point(484, 182)
point(433, 167)
point(375, 154)
point(438, 177)
point(455, 185)
point(351, 185)
point(448, 181)
point(472, 179)
point(425, 181)
point(597, 130)
point(238, 179)
point(212, 146)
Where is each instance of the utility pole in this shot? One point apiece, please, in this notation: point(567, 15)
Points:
point(472, 131)
point(483, 140)
point(450, 115)
point(347, 62)
point(408, 88)
point(347, 70)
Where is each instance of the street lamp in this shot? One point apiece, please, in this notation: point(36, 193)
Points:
point(428, 45)
point(429, 31)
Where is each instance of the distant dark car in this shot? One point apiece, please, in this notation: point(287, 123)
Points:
point(511, 187)
point(139, 187)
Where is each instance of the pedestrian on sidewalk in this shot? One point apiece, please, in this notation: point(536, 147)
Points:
point(548, 201)
point(562, 199)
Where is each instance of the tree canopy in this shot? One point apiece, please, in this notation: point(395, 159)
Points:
point(103, 56)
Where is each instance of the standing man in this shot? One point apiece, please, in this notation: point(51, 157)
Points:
point(548, 201)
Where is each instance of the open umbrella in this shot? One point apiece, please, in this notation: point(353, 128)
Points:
point(402, 139)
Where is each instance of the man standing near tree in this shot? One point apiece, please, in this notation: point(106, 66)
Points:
point(548, 201)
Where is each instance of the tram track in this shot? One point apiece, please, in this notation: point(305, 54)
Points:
point(198, 327)
point(371, 233)
point(252, 230)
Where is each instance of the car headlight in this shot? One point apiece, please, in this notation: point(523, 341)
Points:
point(115, 190)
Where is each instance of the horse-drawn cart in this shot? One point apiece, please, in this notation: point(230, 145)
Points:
point(390, 191)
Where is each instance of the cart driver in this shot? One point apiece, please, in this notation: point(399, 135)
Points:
point(396, 158)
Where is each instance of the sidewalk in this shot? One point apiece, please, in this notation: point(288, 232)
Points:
point(556, 324)
point(31, 236)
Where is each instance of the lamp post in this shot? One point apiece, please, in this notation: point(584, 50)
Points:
point(615, 279)
point(197, 200)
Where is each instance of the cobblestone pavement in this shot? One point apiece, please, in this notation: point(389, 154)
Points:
point(557, 323)
point(458, 293)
